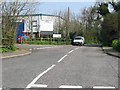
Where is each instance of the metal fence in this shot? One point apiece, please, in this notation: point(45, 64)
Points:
point(49, 40)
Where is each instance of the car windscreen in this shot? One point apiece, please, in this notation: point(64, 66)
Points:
point(78, 38)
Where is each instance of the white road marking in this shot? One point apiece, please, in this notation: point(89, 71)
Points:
point(45, 47)
point(69, 86)
point(39, 86)
point(41, 48)
point(103, 87)
point(71, 51)
point(76, 48)
point(39, 76)
point(37, 48)
point(62, 58)
point(30, 49)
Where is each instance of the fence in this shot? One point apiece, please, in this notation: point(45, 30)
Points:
point(51, 41)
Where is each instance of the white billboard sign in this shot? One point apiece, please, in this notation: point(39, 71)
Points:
point(46, 25)
point(56, 35)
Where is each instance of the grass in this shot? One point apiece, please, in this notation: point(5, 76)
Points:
point(3, 50)
point(116, 45)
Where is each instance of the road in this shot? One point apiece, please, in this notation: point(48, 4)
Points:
point(61, 67)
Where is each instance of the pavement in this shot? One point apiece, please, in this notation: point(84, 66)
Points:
point(25, 49)
point(19, 52)
point(111, 51)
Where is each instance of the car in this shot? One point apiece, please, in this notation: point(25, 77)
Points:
point(78, 40)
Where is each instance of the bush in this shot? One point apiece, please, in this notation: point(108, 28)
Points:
point(116, 45)
point(7, 49)
point(48, 42)
point(7, 45)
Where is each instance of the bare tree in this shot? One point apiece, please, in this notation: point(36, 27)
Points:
point(71, 24)
point(60, 23)
point(76, 28)
point(90, 21)
point(10, 13)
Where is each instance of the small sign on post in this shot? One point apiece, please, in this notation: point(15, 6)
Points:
point(56, 35)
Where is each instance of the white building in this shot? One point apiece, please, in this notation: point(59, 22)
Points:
point(41, 24)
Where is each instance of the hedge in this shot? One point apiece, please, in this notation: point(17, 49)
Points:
point(116, 44)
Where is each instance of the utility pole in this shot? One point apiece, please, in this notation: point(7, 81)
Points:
point(67, 25)
point(31, 27)
point(59, 23)
point(68, 22)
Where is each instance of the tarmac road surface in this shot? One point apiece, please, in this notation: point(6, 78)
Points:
point(61, 67)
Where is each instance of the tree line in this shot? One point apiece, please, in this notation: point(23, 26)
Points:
point(98, 23)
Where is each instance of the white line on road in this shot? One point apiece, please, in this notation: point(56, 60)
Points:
point(69, 86)
point(30, 49)
point(39, 86)
point(70, 51)
point(62, 58)
point(41, 48)
point(103, 87)
point(38, 48)
point(76, 48)
point(40, 75)
point(44, 48)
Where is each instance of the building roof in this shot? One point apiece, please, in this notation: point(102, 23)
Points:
point(41, 15)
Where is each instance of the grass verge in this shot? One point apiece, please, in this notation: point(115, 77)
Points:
point(3, 50)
